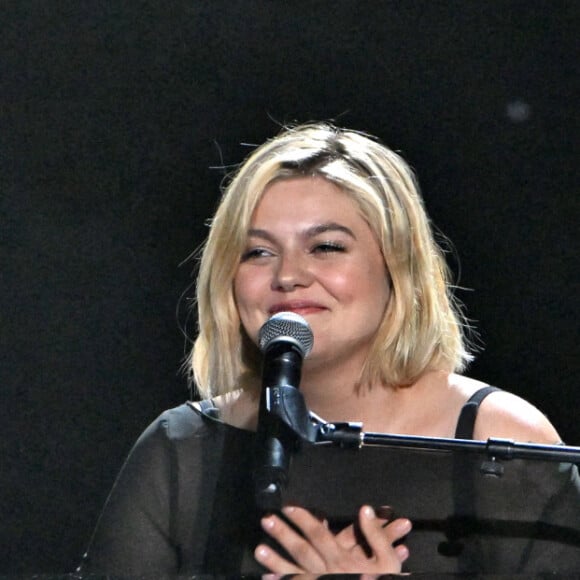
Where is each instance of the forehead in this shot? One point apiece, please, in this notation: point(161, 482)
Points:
point(306, 199)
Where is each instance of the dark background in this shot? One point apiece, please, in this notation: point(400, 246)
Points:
point(113, 115)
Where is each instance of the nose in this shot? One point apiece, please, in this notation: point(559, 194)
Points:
point(291, 271)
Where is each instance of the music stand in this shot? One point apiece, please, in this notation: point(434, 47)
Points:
point(494, 507)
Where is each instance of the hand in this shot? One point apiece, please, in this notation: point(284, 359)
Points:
point(319, 551)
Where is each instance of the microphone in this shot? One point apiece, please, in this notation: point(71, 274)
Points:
point(285, 340)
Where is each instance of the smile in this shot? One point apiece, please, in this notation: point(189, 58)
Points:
point(298, 307)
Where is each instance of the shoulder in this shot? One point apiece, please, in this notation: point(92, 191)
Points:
point(178, 423)
point(505, 415)
point(178, 436)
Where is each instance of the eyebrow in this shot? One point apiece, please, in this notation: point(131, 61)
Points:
point(310, 232)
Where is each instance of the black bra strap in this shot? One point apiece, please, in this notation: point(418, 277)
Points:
point(468, 414)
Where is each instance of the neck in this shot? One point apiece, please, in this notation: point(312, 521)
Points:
point(335, 395)
point(379, 407)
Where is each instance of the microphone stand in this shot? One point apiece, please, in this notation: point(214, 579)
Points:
point(283, 422)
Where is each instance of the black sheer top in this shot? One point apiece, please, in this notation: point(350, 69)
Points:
point(183, 504)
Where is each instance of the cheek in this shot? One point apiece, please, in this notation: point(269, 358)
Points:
point(382, 287)
point(342, 285)
point(368, 283)
point(372, 285)
point(240, 294)
point(248, 288)
point(244, 287)
point(238, 286)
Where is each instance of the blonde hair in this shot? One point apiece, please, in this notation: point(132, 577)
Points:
point(422, 326)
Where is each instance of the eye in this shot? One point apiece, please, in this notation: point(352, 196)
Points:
point(328, 247)
point(255, 253)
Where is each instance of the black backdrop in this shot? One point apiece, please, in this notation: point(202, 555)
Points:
point(114, 115)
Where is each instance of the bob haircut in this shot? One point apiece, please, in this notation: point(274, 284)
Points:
point(422, 326)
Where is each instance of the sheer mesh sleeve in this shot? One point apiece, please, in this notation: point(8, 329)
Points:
point(180, 502)
point(133, 532)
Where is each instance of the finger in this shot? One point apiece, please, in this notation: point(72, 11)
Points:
point(299, 547)
point(349, 536)
point(398, 529)
point(380, 539)
point(402, 552)
point(386, 513)
point(271, 560)
point(346, 537)
point(318, 547)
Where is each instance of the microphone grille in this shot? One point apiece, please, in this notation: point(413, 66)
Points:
point(288, 325)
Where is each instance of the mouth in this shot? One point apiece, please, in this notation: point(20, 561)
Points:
point(301, 308)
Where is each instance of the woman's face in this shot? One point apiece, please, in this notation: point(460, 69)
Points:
point(310, 251)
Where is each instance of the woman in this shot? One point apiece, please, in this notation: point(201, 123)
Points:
point(329, 224)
